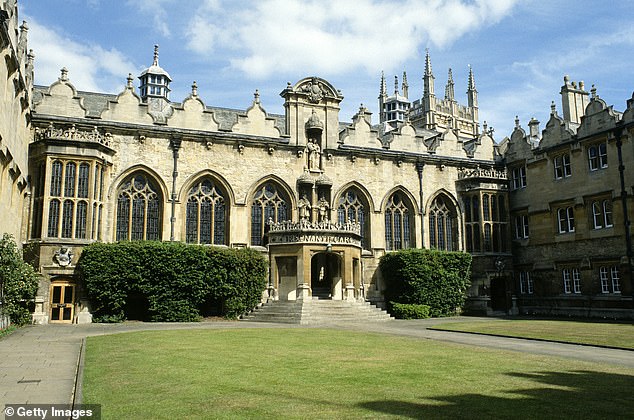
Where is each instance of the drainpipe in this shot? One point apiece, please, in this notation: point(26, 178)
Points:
point(618, 132)
point(419, 169)
point(175, 144)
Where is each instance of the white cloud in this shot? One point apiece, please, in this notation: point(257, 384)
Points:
point(156, 10)
point(91, 67)
point(334, 37)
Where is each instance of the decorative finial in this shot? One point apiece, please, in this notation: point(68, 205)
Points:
point(256, 97)
point(593, 91)
point(396, 85)
point(129, 80)
point(485, 126)
point(155, 61)
point(553, 108)
point(428, 70)
point(64, 77)
point(194, 89)
point(517, 122)
point(24, 27)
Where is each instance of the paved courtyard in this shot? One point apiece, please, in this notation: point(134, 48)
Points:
point(39, 364)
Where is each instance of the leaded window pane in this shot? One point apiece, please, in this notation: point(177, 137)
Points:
point(153, 228)
point(219, 223)
point(69, 180)
point(82, 181)
point(205, 221)
point(53, 218)
point(388, 230)
point(257, 227)
point(485, 208)
point(80, 223)
point(191, 222)
point(138, 218)
point(397, 230)
point(123, 217)
point(67, 219)
point(56, 179)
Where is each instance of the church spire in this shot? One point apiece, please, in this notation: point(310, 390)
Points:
point(449, 89)
point(395, 85)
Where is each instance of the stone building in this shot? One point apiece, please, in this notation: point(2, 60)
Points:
point(16, 72)
point(571, 188)
point(322, 199)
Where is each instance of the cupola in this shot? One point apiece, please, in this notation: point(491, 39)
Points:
point(154, 81)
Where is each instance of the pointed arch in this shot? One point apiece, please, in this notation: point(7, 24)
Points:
point(139, 207)
point(399, 215)
point(269, 199)
point(114, 186)
point(354, 184)
point(443, 213)
point(207, 173)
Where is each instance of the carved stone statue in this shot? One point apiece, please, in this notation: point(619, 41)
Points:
point(314, 155)
point(323, 208)
point(303, 207)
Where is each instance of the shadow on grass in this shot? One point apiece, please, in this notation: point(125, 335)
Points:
point(579, 394)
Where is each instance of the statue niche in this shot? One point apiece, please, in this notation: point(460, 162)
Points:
point(314, 129)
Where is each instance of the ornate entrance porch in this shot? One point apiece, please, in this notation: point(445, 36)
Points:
point(315, 260)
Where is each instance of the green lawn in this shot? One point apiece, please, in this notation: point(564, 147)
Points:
point(329, 374)
point(595, 333)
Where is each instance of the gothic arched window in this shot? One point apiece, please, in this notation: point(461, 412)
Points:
point(269, 203)
point(206, 214)
point(397, 223)
point(352, 208)
point(138, 209)
point(442, 224)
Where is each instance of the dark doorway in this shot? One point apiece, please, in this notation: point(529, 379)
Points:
point(498, 294)
point(324, 268)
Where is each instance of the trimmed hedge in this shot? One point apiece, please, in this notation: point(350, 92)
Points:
point(438, 279)
point(409, 310)
point(170, 281)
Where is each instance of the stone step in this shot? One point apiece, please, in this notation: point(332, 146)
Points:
point(317, 311)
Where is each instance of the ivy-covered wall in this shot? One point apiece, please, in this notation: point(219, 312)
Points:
point(437, 279)
point(170, 281)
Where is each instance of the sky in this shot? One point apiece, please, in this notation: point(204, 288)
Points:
point(519, 50)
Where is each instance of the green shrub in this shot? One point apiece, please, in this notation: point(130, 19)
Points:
point(438, 279)
point(175, 280)
point(409, 310)
point(18, 282)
